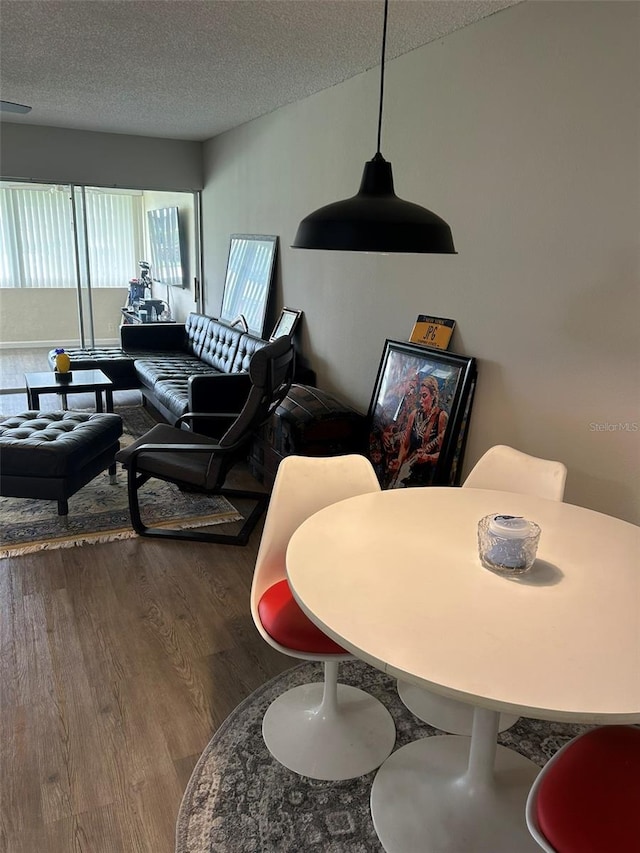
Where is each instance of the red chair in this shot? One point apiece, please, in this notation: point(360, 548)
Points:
point(324, 730)
point(586, 799)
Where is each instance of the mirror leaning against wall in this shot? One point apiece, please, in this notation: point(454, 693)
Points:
point(249, 280)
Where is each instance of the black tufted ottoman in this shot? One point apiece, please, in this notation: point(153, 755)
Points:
point(51, 455)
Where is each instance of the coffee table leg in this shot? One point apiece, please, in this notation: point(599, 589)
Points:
point(33, 400)
point(99, 400)
point(108, 395)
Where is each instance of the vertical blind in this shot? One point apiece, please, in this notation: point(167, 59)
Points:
point(36, 237)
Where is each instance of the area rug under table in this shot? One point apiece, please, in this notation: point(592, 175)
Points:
point(99, 512)
point(240, 800)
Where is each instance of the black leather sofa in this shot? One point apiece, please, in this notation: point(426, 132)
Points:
point(179, 367)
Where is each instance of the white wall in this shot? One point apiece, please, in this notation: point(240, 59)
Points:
point(522, 131)
point(66, 156)
point(34, 316)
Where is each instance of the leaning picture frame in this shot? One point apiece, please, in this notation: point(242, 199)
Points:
point(287, 323)
point(249, 280)
point(419, 415)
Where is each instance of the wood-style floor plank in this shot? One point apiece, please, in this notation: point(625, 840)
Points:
point(117, 664)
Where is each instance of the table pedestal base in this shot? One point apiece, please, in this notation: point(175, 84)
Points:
point(448, 715)
point(425, 797)
point(347, 736)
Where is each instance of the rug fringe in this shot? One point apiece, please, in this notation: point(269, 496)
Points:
point(55, 544)
point(202, 521)
point(113, 535)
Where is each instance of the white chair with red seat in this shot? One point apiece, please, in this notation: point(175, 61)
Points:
point(322, 730)
point(586, 799)
point(508, 470)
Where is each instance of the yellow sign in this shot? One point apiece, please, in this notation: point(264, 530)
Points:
point(432, 331)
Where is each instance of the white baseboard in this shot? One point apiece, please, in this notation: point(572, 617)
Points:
point(101, 342)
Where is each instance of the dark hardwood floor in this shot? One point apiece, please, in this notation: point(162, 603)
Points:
point(16, 361)
point(118, 662)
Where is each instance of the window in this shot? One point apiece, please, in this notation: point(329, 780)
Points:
point(37, 242)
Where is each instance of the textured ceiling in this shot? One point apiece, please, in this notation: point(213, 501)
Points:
point(190, 69)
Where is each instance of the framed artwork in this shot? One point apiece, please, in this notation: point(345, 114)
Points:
point(419, 415)
point(287, 323)
point(458, 456)
point(432, 331)
point(248, 282)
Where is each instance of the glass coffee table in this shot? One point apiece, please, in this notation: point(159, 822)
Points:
point(81, 381)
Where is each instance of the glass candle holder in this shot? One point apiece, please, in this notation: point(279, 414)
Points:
point(507, 544)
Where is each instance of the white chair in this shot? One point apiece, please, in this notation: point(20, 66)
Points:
point(322, 730)
point(586, 798)
point(507, 470)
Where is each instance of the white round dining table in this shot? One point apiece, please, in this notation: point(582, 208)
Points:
point(395, 578)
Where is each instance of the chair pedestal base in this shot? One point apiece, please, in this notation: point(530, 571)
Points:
point(331, 743)
point(448, 715)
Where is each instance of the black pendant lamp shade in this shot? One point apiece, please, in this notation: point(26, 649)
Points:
point(375, 220)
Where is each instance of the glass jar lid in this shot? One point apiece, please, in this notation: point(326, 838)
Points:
point(509, 526)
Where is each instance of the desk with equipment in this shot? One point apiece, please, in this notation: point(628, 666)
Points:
point(139, 309)
point(147, 311)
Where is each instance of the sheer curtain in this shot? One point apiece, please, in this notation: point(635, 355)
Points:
point(36, 237)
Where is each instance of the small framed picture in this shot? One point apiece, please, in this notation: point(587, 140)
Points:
point(287, 323)
point(241, 321)
point(419, 415)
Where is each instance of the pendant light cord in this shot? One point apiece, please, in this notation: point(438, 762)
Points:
point(384, 44)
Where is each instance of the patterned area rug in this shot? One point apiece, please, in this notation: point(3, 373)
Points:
point(240, 800)
point(99, 511)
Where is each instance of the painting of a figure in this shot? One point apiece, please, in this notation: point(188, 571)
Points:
point(414, 415)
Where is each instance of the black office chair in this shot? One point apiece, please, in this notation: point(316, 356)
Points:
point(201, 463)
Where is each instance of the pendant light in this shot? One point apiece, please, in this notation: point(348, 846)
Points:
point(11, 107)
point(375, 220)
